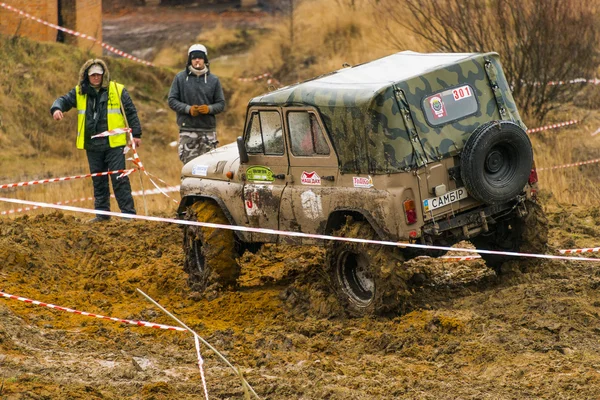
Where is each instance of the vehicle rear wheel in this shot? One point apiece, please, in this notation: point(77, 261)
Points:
point(210, 253)
point(528, 234)
point(367, 279)
point(496, 162)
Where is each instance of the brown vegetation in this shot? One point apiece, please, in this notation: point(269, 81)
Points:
point(539, 41)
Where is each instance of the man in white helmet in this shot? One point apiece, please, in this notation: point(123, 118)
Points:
point(196, 96)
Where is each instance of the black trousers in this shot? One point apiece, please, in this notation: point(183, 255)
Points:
point(110, 160)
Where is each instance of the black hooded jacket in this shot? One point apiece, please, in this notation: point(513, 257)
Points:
point(189, 89)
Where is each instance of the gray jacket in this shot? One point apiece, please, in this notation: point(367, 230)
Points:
point(188, 90)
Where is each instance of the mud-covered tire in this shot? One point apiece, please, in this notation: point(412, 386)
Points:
point(528, 234)
point(366, 279)
point(210, 254)
point(534, 230)
point(496, 162)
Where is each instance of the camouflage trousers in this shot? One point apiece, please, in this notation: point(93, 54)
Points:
point(193, 144)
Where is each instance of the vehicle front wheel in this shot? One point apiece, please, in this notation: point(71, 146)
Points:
point(210, 253)
point(367, 279)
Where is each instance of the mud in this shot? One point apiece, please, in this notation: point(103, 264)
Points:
point(464, 333)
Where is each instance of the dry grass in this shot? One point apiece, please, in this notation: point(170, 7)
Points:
point(577, 185)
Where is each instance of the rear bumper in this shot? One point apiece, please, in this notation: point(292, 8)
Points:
point(472, 222)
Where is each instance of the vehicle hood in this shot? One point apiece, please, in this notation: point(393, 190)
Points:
point(214, 164)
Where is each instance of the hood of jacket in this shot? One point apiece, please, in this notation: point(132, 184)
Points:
point(84, 81)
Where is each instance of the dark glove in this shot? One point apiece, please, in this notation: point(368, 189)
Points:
point(194, 111)
point(203, 109)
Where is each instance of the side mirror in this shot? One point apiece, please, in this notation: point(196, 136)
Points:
point(242, 150)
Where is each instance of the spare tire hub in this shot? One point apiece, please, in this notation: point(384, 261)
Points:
point(494, 161)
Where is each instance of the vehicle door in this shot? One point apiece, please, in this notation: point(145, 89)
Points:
point(313, 170)
point(266, 171)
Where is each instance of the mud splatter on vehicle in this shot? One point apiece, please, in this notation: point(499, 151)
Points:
point(420, 148)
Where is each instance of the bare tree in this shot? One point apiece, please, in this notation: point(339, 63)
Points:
point(539, 41)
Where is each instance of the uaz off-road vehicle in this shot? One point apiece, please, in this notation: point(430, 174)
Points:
point(422, 148)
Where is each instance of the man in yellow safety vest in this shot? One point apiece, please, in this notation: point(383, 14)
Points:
point(100, 105)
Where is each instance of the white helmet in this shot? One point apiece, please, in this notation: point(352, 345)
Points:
point(197, 47)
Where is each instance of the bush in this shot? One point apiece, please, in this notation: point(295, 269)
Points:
point(539, 41)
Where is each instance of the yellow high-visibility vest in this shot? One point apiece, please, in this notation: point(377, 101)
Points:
point(114, 117)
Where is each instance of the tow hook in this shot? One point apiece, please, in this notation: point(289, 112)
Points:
point(522, 208)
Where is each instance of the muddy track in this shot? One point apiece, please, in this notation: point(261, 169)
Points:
point(464, 332)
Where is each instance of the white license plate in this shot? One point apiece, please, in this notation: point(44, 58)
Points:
point(445, 199)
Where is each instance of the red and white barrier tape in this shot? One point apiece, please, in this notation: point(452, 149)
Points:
point(201, 365)
point(579, 251)
point(168, 189)
point(454, 258)
point(553, 126)
point(261, 76)
point(116, 131)
point(87, 314)
point(592, 81)
point(65, 178)
point(25, 209)
point(289, 233)
point(136, 158)
point(596, 160)
point(137, 193)
point(75, 33)
point(270, 79)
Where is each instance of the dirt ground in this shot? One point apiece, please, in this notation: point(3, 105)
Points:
point(530, 333)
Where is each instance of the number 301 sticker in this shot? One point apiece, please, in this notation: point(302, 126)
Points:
point(462, 92)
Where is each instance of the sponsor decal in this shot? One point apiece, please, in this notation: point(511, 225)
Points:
point(259, 173)
point(437, 106)
point(362, 182)
point(200, 170)
point(311, 205)
point(252, 202)
point(310, 178)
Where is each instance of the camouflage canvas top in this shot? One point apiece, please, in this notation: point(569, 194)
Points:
point(402, 111)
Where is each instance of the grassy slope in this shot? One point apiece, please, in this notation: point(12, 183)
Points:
point(35, 146)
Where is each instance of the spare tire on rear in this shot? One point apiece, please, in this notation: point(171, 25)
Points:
point(496, 162)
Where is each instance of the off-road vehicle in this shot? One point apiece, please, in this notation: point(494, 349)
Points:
point(422, 148)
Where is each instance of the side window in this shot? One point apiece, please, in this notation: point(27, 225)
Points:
point(450, 105)
point(307, 138)
point(272, 132)
point(265, 135)
point(254, 142)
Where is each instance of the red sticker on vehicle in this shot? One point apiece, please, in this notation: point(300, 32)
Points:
point(310, 178)
point(437, 106)
point(462, 92)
